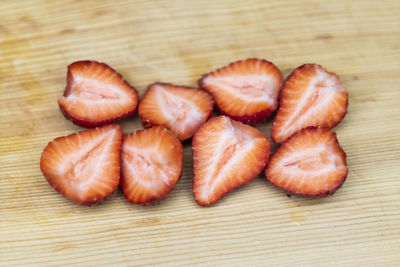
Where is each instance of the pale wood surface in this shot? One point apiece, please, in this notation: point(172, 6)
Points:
point(177, 41)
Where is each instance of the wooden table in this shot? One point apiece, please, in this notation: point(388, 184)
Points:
point(177, 41)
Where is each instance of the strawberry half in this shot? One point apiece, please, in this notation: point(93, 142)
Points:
point(311, 96)
point(226, 155)
point(310, 163)
point(84, 166)
point(96, 95)
point(179, 108)
point(151, 164)
point(246, 90)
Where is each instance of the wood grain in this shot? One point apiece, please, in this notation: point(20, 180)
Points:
point(177, 41)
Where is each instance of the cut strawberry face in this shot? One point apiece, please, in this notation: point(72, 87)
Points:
point(179, 108)
point(310, 163)
point(85, 166)
point(226, 155)
point(96, 95)
point(311, 96)
point(151, 164)
point(246, 90)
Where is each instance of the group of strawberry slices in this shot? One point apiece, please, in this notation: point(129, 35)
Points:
point(227, 152)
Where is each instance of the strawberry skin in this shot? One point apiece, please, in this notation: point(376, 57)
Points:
point(311, 96)
point(151, 164)
point(226, 155)
point(245, 90)
point(84, 166)
point(96, 95)
point(310, 163)
point(181, 109)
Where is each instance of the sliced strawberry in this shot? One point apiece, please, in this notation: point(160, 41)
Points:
point(310, 163)
point(246, 90)
point(96, 95)
point(311, 96)
point(151, 164)
point(226, 155)
point(179, 108)
point(84, 166)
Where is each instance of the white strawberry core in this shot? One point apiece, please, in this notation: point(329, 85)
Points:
point(177, 108)
point(320, 91)
point(314, 161)
point(148, 167)
point(232, 146)
point(88, 89)
point(251, 88)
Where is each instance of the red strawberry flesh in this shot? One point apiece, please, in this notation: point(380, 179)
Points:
point(310, 163)
point(245, 90)
point(311, 96)
point(151, 164)
point(179, 108)
point(96, 95)
point(84, 166)
point(226, 155)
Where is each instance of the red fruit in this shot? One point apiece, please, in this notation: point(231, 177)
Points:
point(96, 95)
point(246, 90)
point(311, 96)
point(179, 108)
point(84, 166)
point(226, 155)
point(151, 164)
point(310, 163)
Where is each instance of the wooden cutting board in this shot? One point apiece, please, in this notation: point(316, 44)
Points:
point(177, 41)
